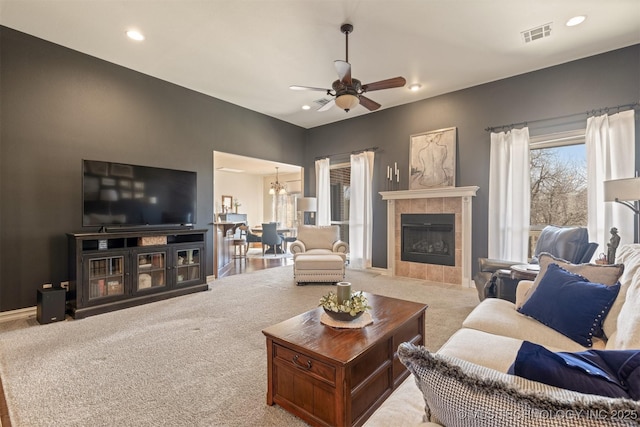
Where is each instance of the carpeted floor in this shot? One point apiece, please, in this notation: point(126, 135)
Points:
point(196, 360)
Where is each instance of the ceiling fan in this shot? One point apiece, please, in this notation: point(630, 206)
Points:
point(348, 92)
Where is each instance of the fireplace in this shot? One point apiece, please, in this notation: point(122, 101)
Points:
point(428, 238)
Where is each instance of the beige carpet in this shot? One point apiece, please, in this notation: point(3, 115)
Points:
point(196, 360)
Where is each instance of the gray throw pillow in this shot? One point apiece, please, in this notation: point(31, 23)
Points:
point(459, 393)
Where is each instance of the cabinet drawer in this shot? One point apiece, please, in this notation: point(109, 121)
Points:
point(305, 363)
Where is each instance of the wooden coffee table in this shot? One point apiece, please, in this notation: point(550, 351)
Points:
point(338, 377)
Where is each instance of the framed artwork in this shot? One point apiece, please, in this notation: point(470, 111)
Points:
point(432, 159)
point(227, 202)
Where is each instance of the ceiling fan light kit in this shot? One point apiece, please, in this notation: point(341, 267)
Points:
point(347, 101)
point(348, 92)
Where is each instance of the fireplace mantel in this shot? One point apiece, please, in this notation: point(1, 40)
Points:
point(463, 195)
point(430, 193)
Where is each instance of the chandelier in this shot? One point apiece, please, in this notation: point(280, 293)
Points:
point(277, 187)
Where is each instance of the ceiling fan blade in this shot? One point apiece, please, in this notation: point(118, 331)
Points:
point(384, 84)
point(294, 87)
point(369, 104)
point(328, 105)
point(344, 71)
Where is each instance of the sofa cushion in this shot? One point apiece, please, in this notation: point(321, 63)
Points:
point(570, 304)
point(404, 408)
point(629, 336)
point(605, 274)
point(459, 393)
point(482, 348)
point(604, 372)
point(318, 237)
point(500, 317)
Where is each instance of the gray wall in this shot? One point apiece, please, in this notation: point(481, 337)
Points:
point(604, 80)
point(59, 106)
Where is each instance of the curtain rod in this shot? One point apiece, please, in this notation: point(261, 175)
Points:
point(588, 113)
point(348, 152)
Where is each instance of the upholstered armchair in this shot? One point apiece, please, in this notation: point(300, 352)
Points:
point(314, 239)
point(569, 243)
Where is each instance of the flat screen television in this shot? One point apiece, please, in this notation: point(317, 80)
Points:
point(119, 194)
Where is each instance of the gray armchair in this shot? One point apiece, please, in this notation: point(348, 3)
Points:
point(569, 243)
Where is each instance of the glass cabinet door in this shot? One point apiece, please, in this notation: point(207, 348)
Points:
point(152, 272)
point(106, 277)
point(188, 265)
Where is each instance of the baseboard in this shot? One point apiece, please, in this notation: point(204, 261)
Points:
point(22, 313)
point(380, 270)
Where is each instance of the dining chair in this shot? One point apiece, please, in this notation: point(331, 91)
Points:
point(271, 238)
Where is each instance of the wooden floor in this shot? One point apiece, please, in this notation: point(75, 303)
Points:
point(247, 265)
point(244, 265)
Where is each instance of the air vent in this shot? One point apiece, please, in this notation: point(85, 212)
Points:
point(537, 33)
point(322, 102)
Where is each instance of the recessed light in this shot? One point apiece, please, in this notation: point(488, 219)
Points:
point(306, 107)
point(576, 20)
point(135, 35)
point(415, 87)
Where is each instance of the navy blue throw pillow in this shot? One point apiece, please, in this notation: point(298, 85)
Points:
point(612, 373)
point(570, 304)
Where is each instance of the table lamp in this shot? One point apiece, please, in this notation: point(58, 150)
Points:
point(306, 204)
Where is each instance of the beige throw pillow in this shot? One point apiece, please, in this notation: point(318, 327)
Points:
point(605, 274)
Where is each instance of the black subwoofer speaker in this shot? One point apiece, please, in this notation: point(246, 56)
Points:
point(51, 305)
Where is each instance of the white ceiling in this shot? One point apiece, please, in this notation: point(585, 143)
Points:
point(250, 165)
point(248, 52)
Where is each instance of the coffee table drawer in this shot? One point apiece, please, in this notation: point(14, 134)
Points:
point(306, 363)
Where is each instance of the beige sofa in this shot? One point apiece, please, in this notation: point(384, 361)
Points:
point(465, 383)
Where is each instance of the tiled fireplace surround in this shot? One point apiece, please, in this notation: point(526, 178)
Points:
point(456, 200)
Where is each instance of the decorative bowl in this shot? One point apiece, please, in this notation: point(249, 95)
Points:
point(357, 305)
point(342, 316)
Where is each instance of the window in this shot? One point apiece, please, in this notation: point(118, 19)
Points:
point(558, 181)
point(283, 209)
point(340, 180)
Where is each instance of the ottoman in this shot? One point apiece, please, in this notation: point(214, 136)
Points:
point(318, 268)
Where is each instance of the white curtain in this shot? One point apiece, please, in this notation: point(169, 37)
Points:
point(361, 210)
point(323, 192)
point(509, 195)
point(610, 143)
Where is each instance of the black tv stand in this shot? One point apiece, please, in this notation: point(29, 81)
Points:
point(114, 270)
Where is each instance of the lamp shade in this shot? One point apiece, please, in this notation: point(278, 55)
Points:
point(347, 101)
point(627, 189)
point(307, 204)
